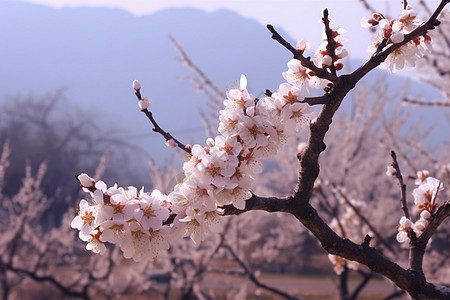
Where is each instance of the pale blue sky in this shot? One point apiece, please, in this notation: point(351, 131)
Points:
point(299, 18)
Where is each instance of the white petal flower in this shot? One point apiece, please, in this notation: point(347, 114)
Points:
point(86, 219)
point(85, 180)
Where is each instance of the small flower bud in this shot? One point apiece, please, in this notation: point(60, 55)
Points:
point(405, 223)
point(302, 45)
point(425, 214)
point(397, 37)
point(301, 147)
point(421, 225)
point(144, 103)
point(85, 180)
point(243, 82)
point(171, 143)
point(385, 24)
point(338, 66)
point(327, 60)
point(210, 142)
point(136, 85)
point(391, 171)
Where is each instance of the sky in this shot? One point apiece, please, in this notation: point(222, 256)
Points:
point(299, 18)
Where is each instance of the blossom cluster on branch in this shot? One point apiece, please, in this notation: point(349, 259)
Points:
point(393, 32)
point(426, 203)
point(222, 171)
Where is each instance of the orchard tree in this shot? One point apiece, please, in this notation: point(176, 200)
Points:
point(218, 176)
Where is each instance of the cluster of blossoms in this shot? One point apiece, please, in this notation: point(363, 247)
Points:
point(127, 217)
point(426, 203)
point(222, 171)
point(393, 32)
point(216, 174)
point(299, 75)
point(323, 57)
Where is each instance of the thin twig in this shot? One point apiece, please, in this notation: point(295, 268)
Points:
point(427, 103)
point(367, 6)
point(331, 43)
point(156, 128)
point(399, 176)
point(319, 100)
point(319, 72)
point(254, 279)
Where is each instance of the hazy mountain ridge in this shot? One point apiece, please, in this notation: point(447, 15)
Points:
point(97, 52)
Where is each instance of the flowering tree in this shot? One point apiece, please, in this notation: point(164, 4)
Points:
point(218, 176)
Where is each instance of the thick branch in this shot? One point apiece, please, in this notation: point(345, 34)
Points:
point(363, 219)
point(309, 171)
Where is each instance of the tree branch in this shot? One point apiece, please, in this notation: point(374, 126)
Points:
point(331, 44)
point(398, 175)
point(320, 72)
point(325, 99)
point(156, 128)
point(427, 103)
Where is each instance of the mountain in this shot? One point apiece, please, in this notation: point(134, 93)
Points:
point(95, 53)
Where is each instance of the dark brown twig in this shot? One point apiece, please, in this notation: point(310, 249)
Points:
point(331, 47)
point(399, 176)
point(325, 99)
point(319, 72)
point(405, 4)
point(156, 128)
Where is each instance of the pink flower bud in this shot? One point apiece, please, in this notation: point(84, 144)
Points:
point(397, 37)
point(326, 60)
point(391, 171)
point(243, 82)
point(144, 103)
point(210, 142)
point(136, 85)
point(302, 45)
point(385, 24)
point(425, 214)
point(301, 147)
point(171, 143)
